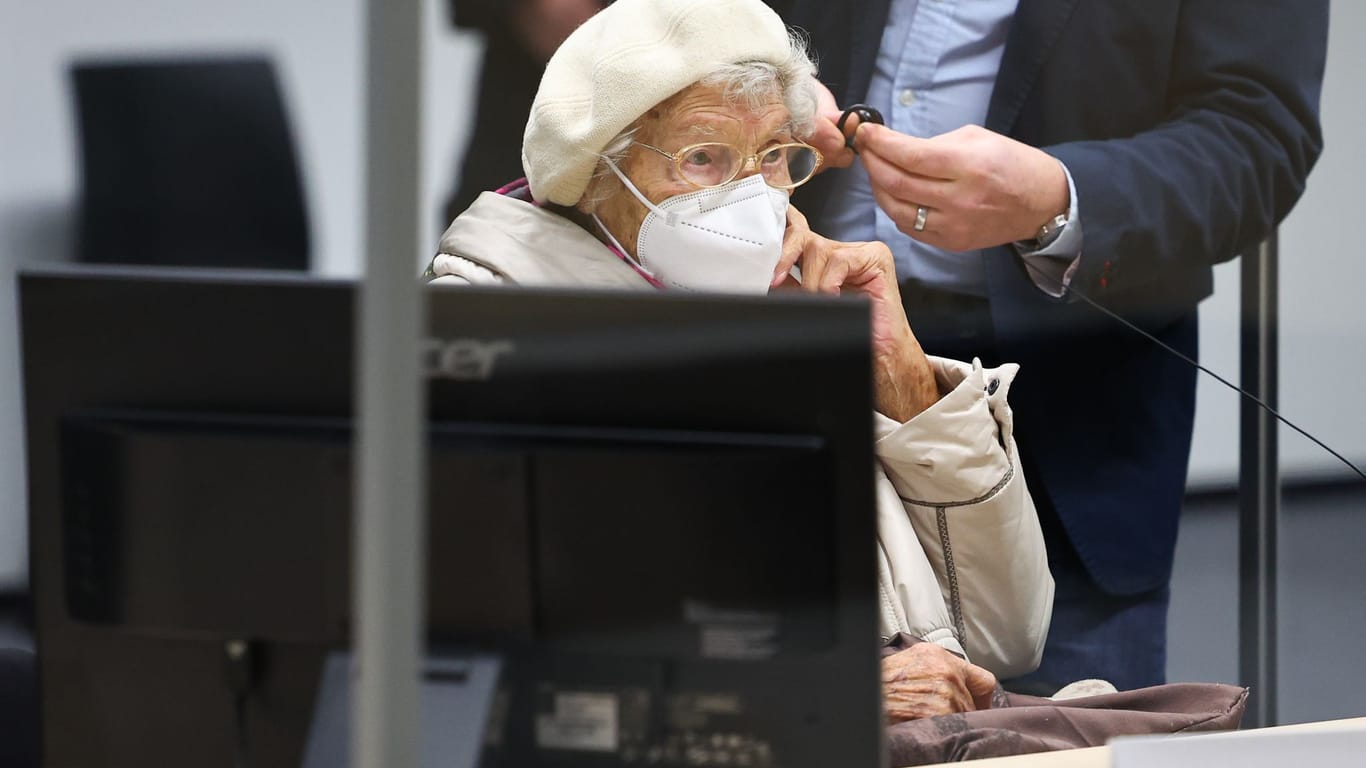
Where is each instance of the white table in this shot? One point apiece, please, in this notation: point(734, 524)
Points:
point(1099, 757)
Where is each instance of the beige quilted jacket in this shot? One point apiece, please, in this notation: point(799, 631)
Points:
point(961, 559)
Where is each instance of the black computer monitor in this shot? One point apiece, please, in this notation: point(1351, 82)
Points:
point(662, 501)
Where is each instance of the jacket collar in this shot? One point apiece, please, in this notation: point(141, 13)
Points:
point(532, 246)
point(1035, 29)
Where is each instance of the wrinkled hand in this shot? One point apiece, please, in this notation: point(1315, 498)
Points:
point(827, 138)
point(983, 189)
point(925, 680)
point(544, 24)
point(903, 380)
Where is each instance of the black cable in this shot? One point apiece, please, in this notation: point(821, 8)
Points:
point(1119, 319)
point(238, 665)
point(240, 753)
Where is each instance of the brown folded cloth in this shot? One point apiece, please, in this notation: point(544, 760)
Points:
point(1017, 725)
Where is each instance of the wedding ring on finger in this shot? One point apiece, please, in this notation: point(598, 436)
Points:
point(922, 214)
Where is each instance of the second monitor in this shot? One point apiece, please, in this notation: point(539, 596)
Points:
point(660, 506)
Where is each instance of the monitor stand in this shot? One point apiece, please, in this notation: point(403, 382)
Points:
point(457, 696)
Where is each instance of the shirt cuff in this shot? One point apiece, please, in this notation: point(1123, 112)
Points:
point(1052, 268)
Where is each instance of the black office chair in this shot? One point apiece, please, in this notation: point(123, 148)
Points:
point(188, 163)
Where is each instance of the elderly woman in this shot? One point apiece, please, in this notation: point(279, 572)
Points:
point(661, 150)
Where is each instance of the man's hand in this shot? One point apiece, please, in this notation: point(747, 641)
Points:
point(982, 189)
point(925, 680)
point(827, 138)
point(544, 24)
point(903, 380)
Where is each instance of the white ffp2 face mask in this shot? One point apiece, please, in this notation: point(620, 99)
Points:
point(726, 239)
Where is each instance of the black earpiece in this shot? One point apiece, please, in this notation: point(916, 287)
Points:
point(866, 114)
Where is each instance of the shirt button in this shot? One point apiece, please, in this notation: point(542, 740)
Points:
point(907, 97)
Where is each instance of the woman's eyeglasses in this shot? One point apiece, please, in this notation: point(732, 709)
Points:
point(712, 164)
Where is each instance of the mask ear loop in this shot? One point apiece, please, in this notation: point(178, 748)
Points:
point(866, 114)
point(670, 217)
point(617, 244)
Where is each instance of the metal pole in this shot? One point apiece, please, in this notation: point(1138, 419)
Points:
point(1259, 487)
point(389, 521)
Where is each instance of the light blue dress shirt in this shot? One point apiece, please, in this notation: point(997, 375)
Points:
point(935, 72)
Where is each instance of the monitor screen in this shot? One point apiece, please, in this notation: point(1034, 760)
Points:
point(656, 507)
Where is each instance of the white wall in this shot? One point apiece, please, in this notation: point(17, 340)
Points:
point(317, 46)
point(1323, 287)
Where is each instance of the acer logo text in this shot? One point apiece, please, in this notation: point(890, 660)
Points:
point(462, 359)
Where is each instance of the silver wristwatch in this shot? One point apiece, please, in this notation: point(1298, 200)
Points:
point(1050, 231)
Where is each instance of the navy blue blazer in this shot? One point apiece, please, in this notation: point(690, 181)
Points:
point(1189, 128)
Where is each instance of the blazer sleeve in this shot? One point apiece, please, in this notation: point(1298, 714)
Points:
point(1228, 161)
point(956, 471)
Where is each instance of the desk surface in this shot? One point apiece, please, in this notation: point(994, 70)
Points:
point(1099, 757)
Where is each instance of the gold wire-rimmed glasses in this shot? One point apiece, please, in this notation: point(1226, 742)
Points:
point(714, 163)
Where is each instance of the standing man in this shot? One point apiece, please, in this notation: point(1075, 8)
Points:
point(1038, 151)
point(519, 36)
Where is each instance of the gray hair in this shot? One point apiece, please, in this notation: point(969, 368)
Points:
point(751, 83)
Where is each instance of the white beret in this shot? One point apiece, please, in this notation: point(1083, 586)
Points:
point(631, 56)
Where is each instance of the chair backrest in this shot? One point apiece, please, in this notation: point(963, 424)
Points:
point(188, 163)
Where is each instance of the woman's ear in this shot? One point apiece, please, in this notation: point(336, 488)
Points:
point(602, 186)
point(585, 204)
